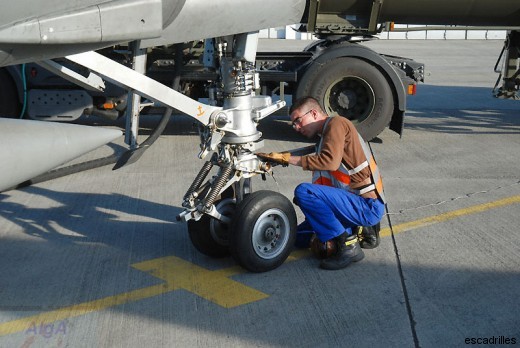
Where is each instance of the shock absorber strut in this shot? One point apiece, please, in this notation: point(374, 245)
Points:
point(216, 186)
point(204, 171)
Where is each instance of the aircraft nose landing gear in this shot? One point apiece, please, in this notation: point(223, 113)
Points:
point(258, 229)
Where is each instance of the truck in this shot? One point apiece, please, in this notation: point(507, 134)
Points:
point(122, 56)
point(347, 78)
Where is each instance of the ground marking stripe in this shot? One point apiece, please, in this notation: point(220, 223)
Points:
point(172, 283)
point(214, 286)
point(45, 318)
point(385, 232)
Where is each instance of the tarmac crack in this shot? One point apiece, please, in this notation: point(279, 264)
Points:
point(408, 305)
point(465, 196)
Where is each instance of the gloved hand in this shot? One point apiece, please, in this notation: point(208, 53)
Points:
point(276, 157)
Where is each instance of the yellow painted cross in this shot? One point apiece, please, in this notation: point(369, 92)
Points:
point(215, 286)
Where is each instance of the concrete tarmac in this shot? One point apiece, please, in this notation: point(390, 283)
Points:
point(97, 259)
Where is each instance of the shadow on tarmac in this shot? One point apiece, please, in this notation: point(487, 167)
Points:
point(99, 221)
point(461, 110)
point(81, 247)
point(86, 243)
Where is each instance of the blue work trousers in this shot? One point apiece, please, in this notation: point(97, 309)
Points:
point(330, 211)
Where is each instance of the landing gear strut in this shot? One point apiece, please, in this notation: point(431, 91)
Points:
point(224, 216)
point(260, 240)
point(510, 73)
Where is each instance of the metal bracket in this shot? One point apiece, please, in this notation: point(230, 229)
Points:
point(374, 15)
point(215, 214)
point(134, 100)
point(266, 111)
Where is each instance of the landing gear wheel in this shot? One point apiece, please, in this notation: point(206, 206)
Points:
point(263, 231)
point(351, 88)
point(211, 236)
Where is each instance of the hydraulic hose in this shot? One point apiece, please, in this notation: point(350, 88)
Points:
point(133, 155)
point(24, 82)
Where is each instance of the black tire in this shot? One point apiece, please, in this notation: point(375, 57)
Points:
point(352, 88)
point(211, 236)
point(263, 231)
point(9, 105)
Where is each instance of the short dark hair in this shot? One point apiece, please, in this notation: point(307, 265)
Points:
point(302, 101)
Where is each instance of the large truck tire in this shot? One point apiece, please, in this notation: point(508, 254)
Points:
point(263, 231)
point(352, 88)
point(9, 105)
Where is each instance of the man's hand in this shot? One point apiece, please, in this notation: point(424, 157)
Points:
point(276, 157)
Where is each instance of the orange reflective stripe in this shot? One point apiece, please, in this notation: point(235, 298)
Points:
point(376, 176)
point(379, 185)
point(341, 177)
point(323, 181)
point(373, 165)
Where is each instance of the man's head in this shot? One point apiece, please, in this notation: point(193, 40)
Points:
point(307, 116)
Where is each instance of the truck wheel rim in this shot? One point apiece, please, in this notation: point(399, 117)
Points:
point(351, 97)
point(270, 234)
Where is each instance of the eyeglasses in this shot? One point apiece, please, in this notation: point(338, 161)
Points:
point(298, 120)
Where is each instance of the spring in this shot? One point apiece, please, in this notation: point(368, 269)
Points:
point(217, 185)
point(204, 171)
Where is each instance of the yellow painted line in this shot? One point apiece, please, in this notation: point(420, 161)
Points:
point(214, 286)
point(44, 318)
point(385, 232)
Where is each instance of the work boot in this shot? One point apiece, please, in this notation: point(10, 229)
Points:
point(348, 250)
point(369, 236)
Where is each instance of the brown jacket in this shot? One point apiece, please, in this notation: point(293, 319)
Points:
point(340, 143)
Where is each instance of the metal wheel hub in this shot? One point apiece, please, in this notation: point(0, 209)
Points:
point(346, 99)
point(270, 233)
point(350, 97)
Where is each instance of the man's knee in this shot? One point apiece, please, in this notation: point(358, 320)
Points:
point(302, 190)
point(305, 196)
